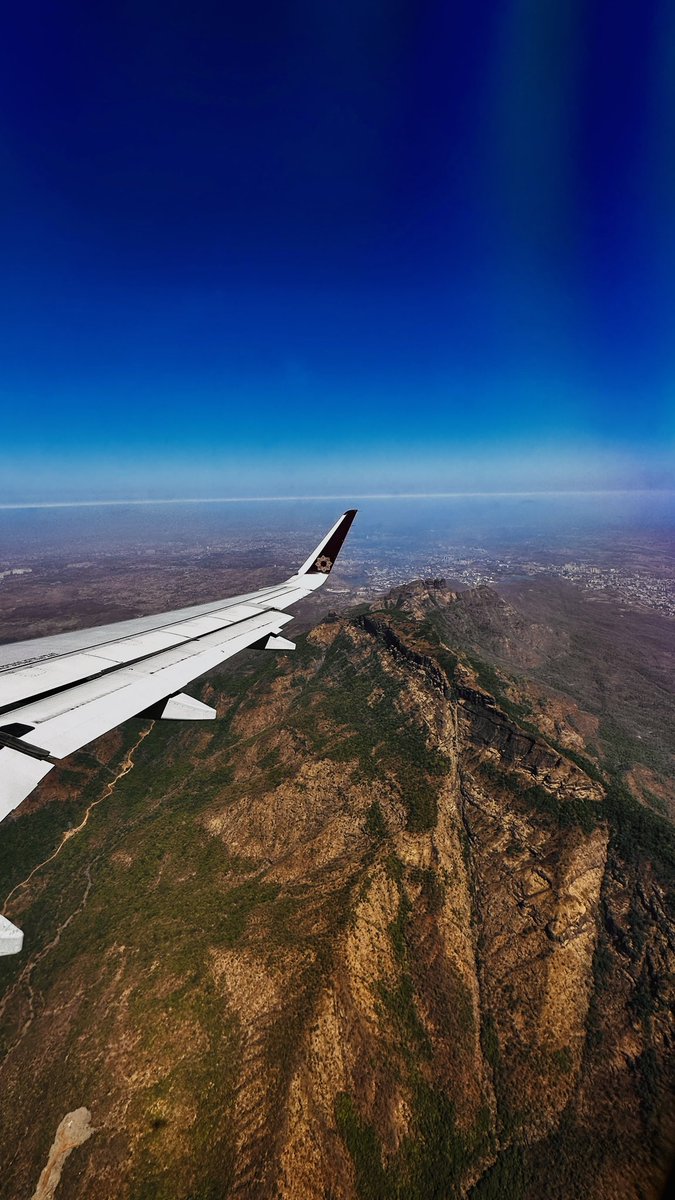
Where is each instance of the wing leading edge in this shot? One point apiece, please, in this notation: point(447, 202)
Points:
point(59, 693)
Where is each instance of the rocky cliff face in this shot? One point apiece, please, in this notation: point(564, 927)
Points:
point(389, 929)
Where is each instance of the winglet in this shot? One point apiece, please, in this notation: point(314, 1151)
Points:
point(321, 560)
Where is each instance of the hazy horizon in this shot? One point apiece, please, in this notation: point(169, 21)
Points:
point(344, 496)
point(96, 477)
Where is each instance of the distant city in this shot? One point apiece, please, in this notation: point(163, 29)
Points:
point(639, 589)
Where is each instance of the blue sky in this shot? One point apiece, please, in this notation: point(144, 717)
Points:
point(300, 248)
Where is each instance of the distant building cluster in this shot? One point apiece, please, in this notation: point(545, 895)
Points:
point(639, 589)
point(16, 571)
point(636, 588)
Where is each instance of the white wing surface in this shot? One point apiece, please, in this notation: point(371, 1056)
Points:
point(59, 693)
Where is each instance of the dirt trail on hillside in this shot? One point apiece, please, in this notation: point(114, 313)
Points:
point(71, 833)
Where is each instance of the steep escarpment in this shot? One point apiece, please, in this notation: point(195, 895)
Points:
point(390, 928)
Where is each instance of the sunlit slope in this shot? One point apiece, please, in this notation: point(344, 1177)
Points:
point(393, 926)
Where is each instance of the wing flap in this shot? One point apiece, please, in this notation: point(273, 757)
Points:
point(19, 774)
point(45, 676)
point(67, 721)
point(11, 938)
point(144, 644)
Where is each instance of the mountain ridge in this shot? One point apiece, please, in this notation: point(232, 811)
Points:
point(379, 933)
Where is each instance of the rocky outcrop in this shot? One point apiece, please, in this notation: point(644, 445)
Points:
point(73, 1130)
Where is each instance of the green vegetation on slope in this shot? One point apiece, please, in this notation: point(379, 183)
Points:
point(429, 1163)
point(350, 712)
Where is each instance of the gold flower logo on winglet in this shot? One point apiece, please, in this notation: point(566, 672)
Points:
point(323, 564)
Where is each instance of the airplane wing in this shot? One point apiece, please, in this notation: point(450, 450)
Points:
point(59, 693)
